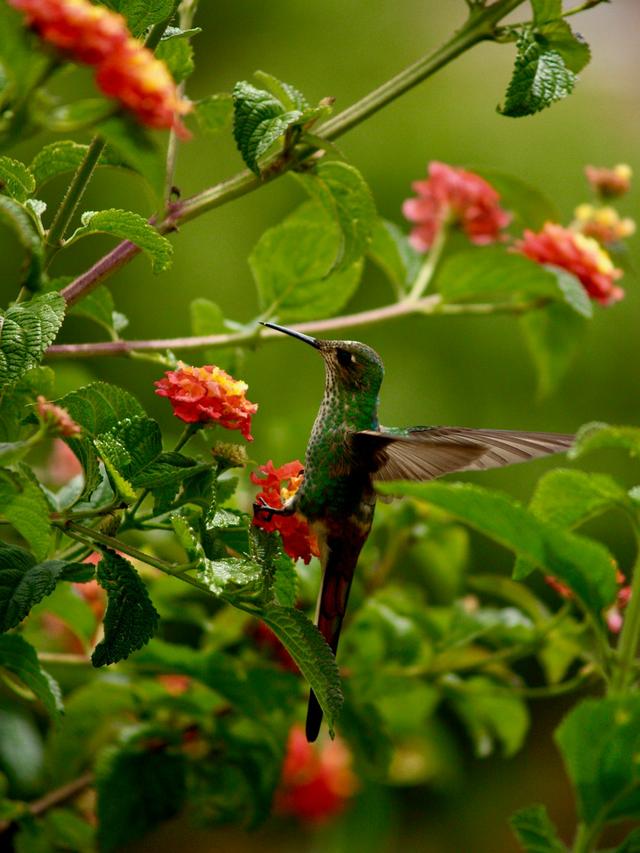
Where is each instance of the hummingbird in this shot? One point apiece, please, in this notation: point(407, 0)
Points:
point(349, 451)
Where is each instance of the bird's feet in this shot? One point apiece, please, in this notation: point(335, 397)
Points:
point(262, 510)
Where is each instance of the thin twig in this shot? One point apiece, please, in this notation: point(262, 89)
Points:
point(55, 798)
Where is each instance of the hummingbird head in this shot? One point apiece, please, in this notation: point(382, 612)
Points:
point(350, 364)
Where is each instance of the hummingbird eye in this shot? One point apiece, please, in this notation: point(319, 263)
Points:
point(345, 358)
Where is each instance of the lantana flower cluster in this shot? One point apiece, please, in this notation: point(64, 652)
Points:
point(278, 485)
point(317, 781)
point(456, 197)
point(125, 68)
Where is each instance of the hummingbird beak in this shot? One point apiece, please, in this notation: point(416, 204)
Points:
point(294, 334)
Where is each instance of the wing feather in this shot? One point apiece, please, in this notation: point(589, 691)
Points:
point(424, 453)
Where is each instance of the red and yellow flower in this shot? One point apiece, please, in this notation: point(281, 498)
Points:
point(453, 195)
point(209, 396)
point(604, 224)
point(317, 781)
point(278, 485)
point(582, 256)
point(126, 69)
point(609, 183)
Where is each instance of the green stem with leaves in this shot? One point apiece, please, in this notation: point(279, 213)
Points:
point(630, 637)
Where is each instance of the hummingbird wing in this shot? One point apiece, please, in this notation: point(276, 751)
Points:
point(424, 453)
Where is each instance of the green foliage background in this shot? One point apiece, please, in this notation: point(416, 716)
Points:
point(462, 371)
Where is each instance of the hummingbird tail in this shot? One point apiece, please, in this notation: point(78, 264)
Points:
point(342, 556)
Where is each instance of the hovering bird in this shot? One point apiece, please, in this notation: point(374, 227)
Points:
point(349, 451)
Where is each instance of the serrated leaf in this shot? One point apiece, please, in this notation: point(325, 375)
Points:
point(127, 225)
point(26, 330)
point(569, 497)
point(64, 156)
point(23, 504)
point(16, 217)
point(15, 179)
point(600, 436)
point(599, 741)
point(344, 194)
point(131, 619)
point(177, 54)
point(215, 113)
point(137, 148)
point(292, 263)
point(553, 335)
point(584, 565)
point(558, 35)
point(391, 251)
point(137, 788)
point(259, 121)
point(99, 307)
point(142, 14)
point(540, 77)
point(546, 10)
point(285, 581)
point(288, 95)
point(535, 832)
point(314, 658)
point(23, 583)
point(97, 408)
point(19, 658)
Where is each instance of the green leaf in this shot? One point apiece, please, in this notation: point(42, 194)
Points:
point(491, 714)
point(15, 179)
point(531, 208)
point(137, 148)
point(586, 566)
point(79, 115)
point(599, 436)
point(344, 194)
point(17, 399)
point(207, 319)
point(631, 844)
point(215, 113)
point(64, 156)
point(16, 217)
point(23, 583)
point(540, 77)
point(558, 36)
point(492, 273)
point(177, 54)
point(97, 408)
point(553, 334)
point(288, 95)
point(535, 832)
point(285, 582)
point(142, 14)
point(569, 497)
point(546, 10)
point(599, 740)
point(131, 619)
point(26, 330)
point(259, 122)
point(24, 505)
point(99, 307)
point(19, 658)
point(391, 251)
point(127, 225)
point(292, 264)
point(314, 658)
point(137, 789)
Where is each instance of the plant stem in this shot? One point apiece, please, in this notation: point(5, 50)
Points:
point(428, 305)
point(88, 535)
point(630, 636)
point(429, 266)
point(479, 26)
point(55, 797)
point(71, 200)
point(590, 4)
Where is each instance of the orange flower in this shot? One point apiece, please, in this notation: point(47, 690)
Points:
point(602, 223)
point(317, 780)
point(579, 255)
point(278, 485)
point(208, 395)
point(145, 86)
point(56, 418)
point(454, 195)
point(609, 183)
point(126, 70)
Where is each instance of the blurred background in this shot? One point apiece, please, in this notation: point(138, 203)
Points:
point(463, 371)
